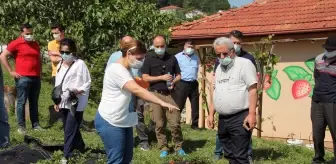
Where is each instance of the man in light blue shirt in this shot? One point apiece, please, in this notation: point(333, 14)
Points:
point(136, 103)
point(188, 86)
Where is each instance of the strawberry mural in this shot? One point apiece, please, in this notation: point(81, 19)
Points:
point(272, 86)
point(303, 80)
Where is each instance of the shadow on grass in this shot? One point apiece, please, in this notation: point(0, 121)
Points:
point(193, 145)
point(268, 153)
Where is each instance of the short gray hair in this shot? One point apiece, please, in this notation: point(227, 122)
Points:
point(223, 41)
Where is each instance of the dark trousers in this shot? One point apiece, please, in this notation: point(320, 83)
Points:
point(28, 88)
point(219, 149)
point(184, 90)
point(234, 138)
point(72, 136)
point(141, 128)
point(322, 115)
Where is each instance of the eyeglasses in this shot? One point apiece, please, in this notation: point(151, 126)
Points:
point(223, 53)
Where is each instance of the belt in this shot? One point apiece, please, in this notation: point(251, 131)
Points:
point(164, 92)
point(194, 81)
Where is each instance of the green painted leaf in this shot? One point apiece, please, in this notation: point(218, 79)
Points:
point(274, 74)
point(295, 72)
point(310, 64)
point(274, 91)
point(308, 77)
point(312, 84)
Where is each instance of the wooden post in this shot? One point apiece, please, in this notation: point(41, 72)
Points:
point(203, 70)
point(259, 121)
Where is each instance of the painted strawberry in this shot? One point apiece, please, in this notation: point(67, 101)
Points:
point(267, 82)
point(300, 89)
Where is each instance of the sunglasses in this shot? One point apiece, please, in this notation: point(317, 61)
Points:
point(65, 52)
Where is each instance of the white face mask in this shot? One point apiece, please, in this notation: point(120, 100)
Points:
point(57, 36)
point(28, 38)
point(189, 51)
point(330, 54)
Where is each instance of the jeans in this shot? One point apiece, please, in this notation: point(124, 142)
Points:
point(118, 142)
point(234, 137)
point(72, 136)
point(4, 126)
point(323, 115)
point(28, 88)
point(219, 150)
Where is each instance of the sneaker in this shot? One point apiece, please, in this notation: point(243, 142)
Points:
point(144, 147)
point(250, 159)
point(38, 128)
point(181, 152)
point(217, 157)
point(64, 161)
point(22, 130)
point(164, 153)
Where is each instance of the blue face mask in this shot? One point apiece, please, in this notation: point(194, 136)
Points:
point(237, 49)
point(225, 61)
point(68, 57)
point(160, 51)
point(330, 54)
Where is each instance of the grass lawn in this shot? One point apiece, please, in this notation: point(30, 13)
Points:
point(198, 144)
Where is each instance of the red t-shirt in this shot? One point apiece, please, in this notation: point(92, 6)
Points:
point(27, 57)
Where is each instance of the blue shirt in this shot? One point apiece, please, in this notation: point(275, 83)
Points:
point(188, 66)
point(116, 56)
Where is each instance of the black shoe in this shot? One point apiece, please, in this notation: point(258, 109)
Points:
point(195, 128)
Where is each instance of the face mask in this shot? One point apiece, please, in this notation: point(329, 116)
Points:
point(237, 49)
point(330, 54)
point(28, 38)
point(57, 36)
point(225, 61)
point(68, 57)
point(189, 51)
point(160, 51)
point(136, 64)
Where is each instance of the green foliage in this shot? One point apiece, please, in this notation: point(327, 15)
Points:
point(207, 6)
point(96, 26)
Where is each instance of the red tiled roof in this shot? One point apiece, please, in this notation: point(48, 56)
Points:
point(269, 17)
point(169, 7)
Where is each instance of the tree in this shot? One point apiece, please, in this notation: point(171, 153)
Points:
point(96, 26)
point(266, 61)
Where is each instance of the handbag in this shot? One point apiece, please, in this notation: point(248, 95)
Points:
point(56, 94)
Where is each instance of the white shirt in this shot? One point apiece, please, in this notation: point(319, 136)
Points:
point(78, 78)
point(114, 105)
point(231, 94)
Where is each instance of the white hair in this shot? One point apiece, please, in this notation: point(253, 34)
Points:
point(223, 41)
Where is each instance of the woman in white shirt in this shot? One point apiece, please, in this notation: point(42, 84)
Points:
point(114, 119)
point(76, 87)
